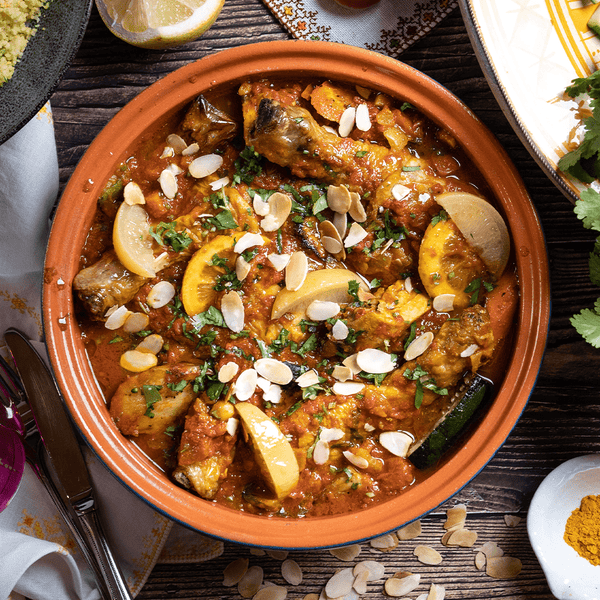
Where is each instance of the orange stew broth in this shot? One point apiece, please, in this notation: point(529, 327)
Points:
point(333, 487)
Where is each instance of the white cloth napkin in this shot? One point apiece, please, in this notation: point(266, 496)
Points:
point(388, 27)
point(38, 556)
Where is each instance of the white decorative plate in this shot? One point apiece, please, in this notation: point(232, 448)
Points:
point(530, 52)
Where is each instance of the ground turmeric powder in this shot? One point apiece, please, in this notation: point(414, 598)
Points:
point(582, 531)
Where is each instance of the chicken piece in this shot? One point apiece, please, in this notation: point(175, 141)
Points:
point(106, 283)
point(207, 125)
point(290, 137)
point(205, 452)
point(386, 320)
point(151, 401)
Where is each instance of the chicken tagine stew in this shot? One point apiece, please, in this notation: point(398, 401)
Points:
point(285, 293)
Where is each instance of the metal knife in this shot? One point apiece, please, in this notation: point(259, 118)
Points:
point(65, 466)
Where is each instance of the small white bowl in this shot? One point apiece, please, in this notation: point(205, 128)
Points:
point(569, 575)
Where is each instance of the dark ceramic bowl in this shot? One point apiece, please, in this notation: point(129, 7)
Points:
point(225, 71)
point(45, 60)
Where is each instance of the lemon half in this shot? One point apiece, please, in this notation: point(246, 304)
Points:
point(159, 23)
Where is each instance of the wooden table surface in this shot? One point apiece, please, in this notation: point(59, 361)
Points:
point(562, 419)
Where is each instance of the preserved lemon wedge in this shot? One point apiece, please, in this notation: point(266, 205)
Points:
point(324, 284)
point(200, 277)
point(132, 241)
point(274, 454)
point(481, 225)
point(158, 23)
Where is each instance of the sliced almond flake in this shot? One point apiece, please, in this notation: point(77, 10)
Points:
point(457, 515)
point(161, 294)
point(400, 191)
point(307, 379)
point(351, 363)
point(422, 597)
point(245, 385)
point(340, 584)
point(369, 427)
point(279, 261)
point(356, 235)
point(331, 434)
point(176, 142)
point(321, 452)
point(357, 210)
point(492, 550)
point(152, 344)
point(234, 571)
point(250, 583)
point(161, 261)
point(280, 206)
point(340, 222)
point(257, 552)
point(232, 425)
point(444, 303)
point(296, 271)
point(346, 553)
point(354, 459)
point(117, 317)
point(248, 240)
point(465, 538)
point(340, 330)
point(446, 537)
point(242, 268)
point(132, 194)
point(512, 520)
point(469, 351)
point(398, 587)
point(384, 542)
point(291, 572)
point(136, 322)
point(263, 384)
point(396, 442)
point(360, 582)
point(321, 310)
point(206, 165)
point(261, 208)
point(274, 370)
point(503, 567)
point(278, 554)
point(347, 388)
point(374, 568)
point(427, 555)
point(233, 311)
point(191, 149)
point(363, 120)
point(168, 152)
point(218, 184)
point(136, 361)
point(436, 592)
point(410, 531)
point(341, 373)
point(418, 346)
point(175, 169)
point(338, 198)
point(168, 183)
point(273, 394)
point(228, 371)
point(347, 121)
point(480, 561)
point(271, 592)
point(408, 286)
point(372, 360)
point(332, 245)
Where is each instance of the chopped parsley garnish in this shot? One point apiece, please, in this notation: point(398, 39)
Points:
point(223, 220)
point(151, 396)
point(165, 234)
point(247, 166)
point(212, 316)
point(423, 381)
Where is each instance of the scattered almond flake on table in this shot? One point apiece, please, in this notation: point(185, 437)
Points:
point(346, 553)
point(385, 542)
point(503, 567)
point(410, 531)
point(406, 22)
point(401, 583)
point(427, 555)
point(512, 520)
